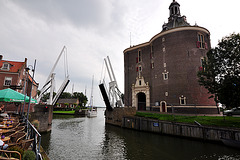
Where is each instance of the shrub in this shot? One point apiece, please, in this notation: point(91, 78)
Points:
point(35, 123)
point(29, 155)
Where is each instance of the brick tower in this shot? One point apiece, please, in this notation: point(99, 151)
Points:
point(163, 72)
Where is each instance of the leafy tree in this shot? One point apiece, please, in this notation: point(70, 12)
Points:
point(66, 95)
point(46, 96)
point(81, 97)
point(221, 71)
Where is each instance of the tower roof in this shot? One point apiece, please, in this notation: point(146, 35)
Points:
point(174, 3)
point(175, 19)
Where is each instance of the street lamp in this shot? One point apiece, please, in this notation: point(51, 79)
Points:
point(25, 88)
point(33, 70)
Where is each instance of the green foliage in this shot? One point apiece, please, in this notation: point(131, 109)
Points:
point(66, 95)
point(204, 120)
point(81, 97)
point(221, 71)
point(29, 155)
point(64, 112)
point(35, 123)
point(46, 96)
point(16, 148)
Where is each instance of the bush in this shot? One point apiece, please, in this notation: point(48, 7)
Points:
point(35, 123)
point(29, 155)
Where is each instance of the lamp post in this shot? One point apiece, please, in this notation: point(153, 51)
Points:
point(33, 70)
point(25, 90)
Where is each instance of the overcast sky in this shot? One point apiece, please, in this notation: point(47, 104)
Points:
point(94, 29)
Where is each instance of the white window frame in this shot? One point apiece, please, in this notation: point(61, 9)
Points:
point(182, 99)
point(165, 75)
point(5, 66)
point(7, 79)
point(201, 41)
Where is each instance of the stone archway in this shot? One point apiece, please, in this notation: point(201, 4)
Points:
point(140, 90)
point(141, 101)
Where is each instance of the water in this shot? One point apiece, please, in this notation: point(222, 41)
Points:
point(89, 139)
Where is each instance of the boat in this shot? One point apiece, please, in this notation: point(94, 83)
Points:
point(92, 112)
point(231, 143)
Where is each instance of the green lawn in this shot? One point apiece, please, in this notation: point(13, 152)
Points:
point(203, 120)
point(65, 112)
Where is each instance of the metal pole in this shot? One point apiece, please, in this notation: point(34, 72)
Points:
point(26, 86)
point(31, 89)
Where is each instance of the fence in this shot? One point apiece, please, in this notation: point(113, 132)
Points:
point(32, 133)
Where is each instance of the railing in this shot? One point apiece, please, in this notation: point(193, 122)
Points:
point(32, 133)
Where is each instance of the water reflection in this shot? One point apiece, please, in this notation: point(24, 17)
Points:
point(89, 138)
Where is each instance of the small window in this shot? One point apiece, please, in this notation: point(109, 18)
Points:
point(5, 66)
point(182, 100)
point(166, 94)
point(164, 65)
point(163, 49)
point(152, 65)
point(8, 81)
point(165, 75)
point(176, 10)
point(163, 39)
point(140, 68)
point(200, 42)
point(139, 56)
point(140, 82)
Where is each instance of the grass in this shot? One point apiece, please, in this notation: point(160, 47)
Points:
point(219, 121)
point(64, 112)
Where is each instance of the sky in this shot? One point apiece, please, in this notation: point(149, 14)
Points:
point(91, 30)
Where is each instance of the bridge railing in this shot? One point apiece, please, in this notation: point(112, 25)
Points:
point(32, 133)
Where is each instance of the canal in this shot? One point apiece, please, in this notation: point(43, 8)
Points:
point(89, 139)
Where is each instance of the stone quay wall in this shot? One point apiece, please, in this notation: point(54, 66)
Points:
point(115, 116)
point(179, 129)
point(43, 114)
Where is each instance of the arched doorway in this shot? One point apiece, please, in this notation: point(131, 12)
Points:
point(163, 106)
point(141, 101)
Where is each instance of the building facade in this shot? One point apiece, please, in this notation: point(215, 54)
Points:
point(14, 75)
point(163, 72)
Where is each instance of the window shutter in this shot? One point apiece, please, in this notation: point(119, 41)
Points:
point(206, 46)
point(137, 60)
point(198, 44)
point(137, 69)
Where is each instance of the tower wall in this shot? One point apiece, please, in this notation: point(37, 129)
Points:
point(169, 63)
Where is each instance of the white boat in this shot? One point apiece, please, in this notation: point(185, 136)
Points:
point(92, 112)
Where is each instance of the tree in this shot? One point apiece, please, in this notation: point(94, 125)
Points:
point(81, 97)
point(66, 95)
point(220, 72)
point(46, 96)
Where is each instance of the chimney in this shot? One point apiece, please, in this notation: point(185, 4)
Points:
point(1, 56)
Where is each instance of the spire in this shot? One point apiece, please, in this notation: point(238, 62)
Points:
point(174, 9)
point(175, 19)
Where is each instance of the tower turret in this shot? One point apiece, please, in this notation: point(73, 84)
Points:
point(175, 19)
point(174, 10)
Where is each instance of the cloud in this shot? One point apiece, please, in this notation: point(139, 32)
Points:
point(93, 29)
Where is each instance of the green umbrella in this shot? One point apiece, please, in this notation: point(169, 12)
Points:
point(9, 95)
